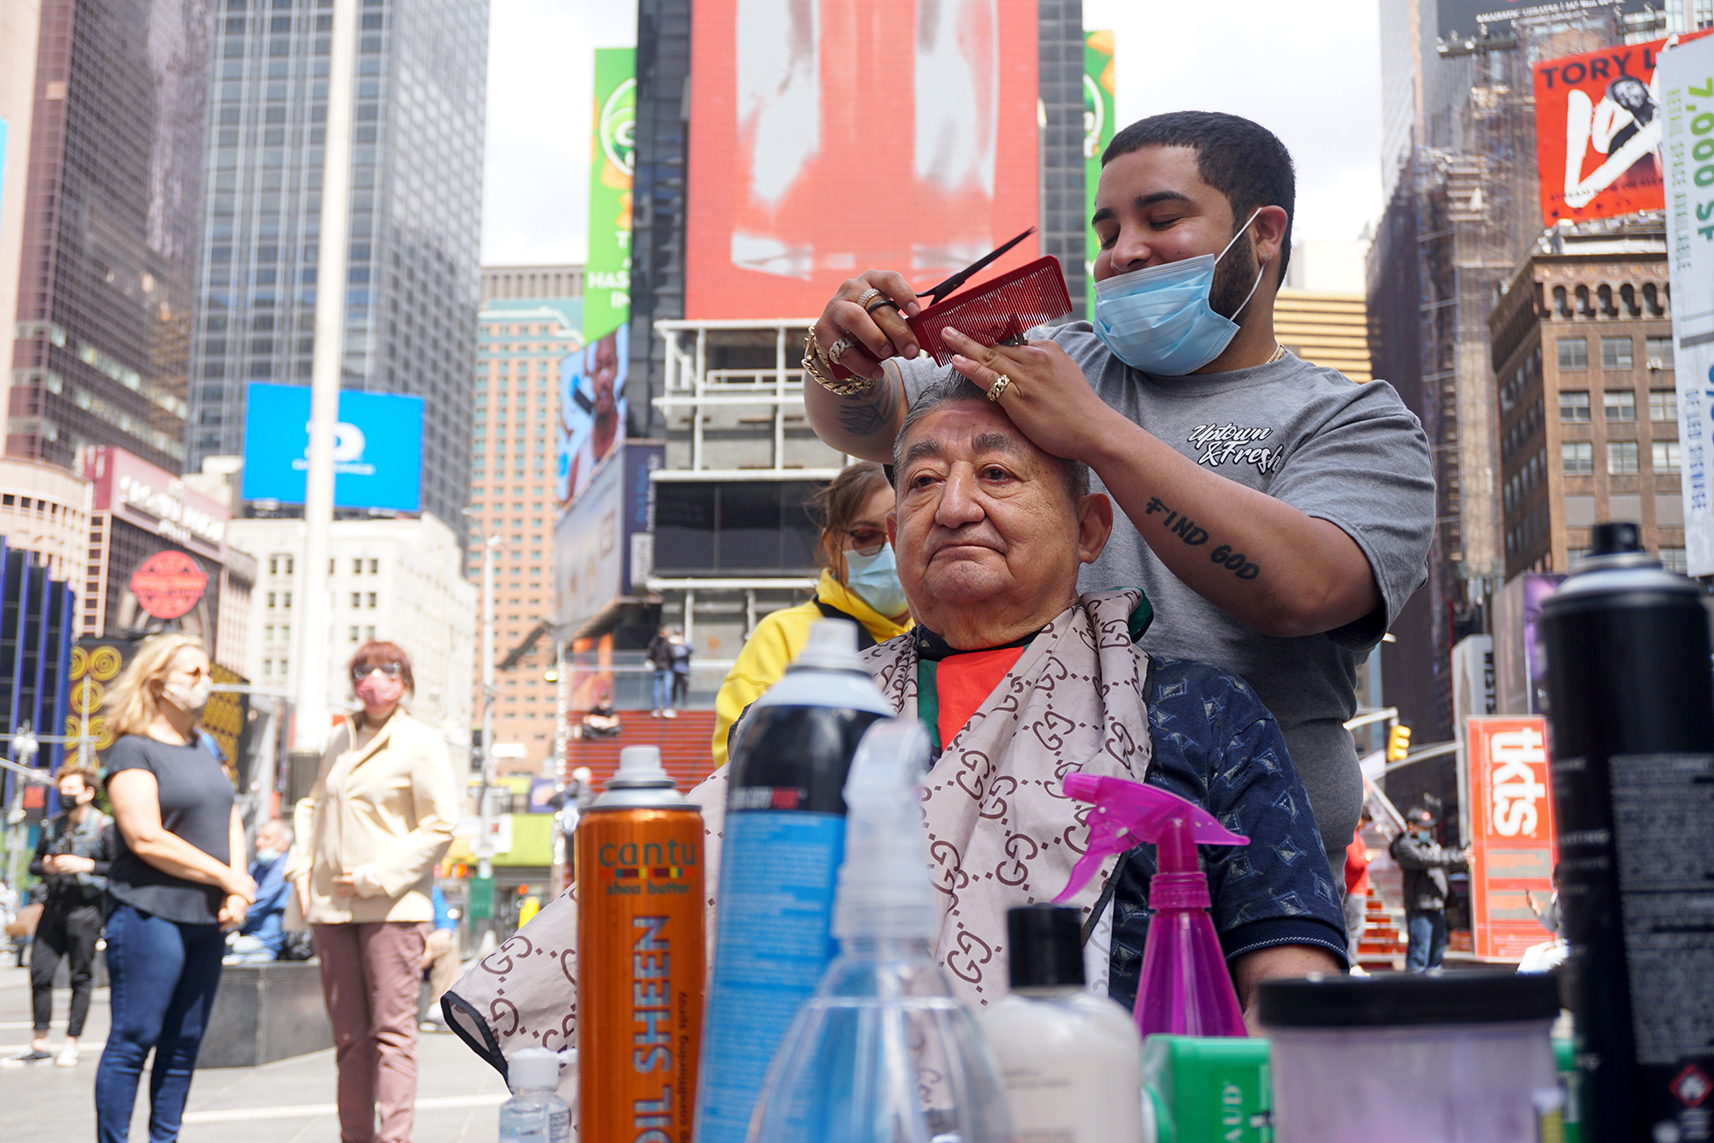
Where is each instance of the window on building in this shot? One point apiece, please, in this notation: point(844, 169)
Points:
point(1659, 352)
point(1615, 353)
point(285, 632)
point(1672, 559)
point(273, 600)
point(286, 600)
point(273, 565)
point(356, 600)
point(268, 633)
point(369, 633)
point(1663, 404)
point(354, 634)
point(330, 566)
point(267, 668)
point(1577, 456)
point(289, 562)
point(356, 567)
point(1573, 353)
point(1621, 457)
point(1574, 405)
point(1620, 405)
point(372, 598)
point(1665, 456)
point(284, 664)
point(374, 567)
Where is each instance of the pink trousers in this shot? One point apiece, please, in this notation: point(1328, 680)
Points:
point(370, 977)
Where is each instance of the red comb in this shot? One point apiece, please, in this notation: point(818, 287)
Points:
point(997, 311)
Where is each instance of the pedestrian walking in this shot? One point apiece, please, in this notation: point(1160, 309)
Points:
point(660, 654)
point(859, 582)
point(1424, 864)
point(1357, 888)
point(177, 880)
point(681, 652)
point(76, 847)
point(375, 824)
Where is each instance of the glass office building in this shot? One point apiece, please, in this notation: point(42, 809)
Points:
point(109, 244)
point(413, 277)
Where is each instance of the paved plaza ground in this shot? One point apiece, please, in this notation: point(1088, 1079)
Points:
point(284, 1102)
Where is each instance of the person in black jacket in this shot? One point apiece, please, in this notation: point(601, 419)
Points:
point(72, 858)
point(1424, 864)
point(660, 654)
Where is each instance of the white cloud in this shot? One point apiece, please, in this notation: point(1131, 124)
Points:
point(1308, 71)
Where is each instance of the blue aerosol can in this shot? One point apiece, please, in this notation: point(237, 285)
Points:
point(1631, 718)
point(783, 842)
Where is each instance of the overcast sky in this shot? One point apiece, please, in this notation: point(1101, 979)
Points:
point(1307, 69)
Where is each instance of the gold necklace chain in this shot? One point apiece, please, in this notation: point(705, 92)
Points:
point(1279, 353)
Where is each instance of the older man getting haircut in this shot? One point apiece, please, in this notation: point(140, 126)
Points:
point(1021, 681)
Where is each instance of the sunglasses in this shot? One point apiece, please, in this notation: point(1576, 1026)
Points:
point(391, 670)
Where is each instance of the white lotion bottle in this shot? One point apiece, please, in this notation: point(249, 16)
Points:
point(1071, 1061)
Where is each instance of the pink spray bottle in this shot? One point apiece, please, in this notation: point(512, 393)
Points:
point(1185, 989)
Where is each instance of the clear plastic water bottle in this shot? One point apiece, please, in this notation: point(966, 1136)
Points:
point(535, 1113)
point(883, 1052)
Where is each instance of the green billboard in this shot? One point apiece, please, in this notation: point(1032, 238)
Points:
point(607, 275)
point(1097, 133)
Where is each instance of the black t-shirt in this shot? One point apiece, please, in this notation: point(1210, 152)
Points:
point(196, 804)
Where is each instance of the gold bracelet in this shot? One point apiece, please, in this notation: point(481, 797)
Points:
point(814, 360)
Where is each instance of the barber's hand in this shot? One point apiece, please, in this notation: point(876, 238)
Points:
point(880, 327)
point(232, 912)
point(1049, 398)
point(345, 885)
point(239, 884)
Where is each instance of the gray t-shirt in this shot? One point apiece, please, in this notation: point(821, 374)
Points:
point(1349, 454)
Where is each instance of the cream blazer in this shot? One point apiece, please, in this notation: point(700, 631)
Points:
point(384, 814)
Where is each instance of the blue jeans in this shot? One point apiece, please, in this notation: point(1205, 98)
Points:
point(1426, 940)
point(663, 689)
point(163, 977)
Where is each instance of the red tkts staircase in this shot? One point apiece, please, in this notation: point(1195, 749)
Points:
point(684, 743)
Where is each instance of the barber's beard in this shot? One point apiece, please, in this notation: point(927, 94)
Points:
point(1233, 277)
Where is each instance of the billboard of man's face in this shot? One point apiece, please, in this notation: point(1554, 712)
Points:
point(605, 373)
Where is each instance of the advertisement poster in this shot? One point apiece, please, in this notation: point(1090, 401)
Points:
point(588, 545)
point(823, 142)
point(591, 412)
point(607, 274)
point(377, 447)
point(1512, 843)
point(1097, 133)
point(1598, 132)
point(1686, 82)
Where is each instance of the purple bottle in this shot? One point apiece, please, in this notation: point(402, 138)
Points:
point(1186, 989)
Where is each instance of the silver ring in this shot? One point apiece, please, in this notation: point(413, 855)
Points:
point(838, 348)
point(867, 296)
point(999, 387)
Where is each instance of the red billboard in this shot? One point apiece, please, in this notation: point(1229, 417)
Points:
point(829, 138)
point(1511, 826)
point(1598, 132)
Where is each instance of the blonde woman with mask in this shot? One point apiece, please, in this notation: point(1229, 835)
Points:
point(375, 824)
point(178, 880)
point(859, 582)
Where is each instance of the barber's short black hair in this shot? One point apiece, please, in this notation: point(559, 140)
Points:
point(1242, 160)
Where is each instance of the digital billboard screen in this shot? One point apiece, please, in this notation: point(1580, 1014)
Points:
point(377, 452)
point(823, 142)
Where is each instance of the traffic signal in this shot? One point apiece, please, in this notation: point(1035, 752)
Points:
point(1398, 744)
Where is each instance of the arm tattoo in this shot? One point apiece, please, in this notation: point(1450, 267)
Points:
point(865, 418)
point(1186, 530)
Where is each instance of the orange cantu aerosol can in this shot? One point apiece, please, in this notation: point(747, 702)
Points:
point(640, 956)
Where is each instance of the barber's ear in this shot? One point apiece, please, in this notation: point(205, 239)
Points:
point(1094, 525)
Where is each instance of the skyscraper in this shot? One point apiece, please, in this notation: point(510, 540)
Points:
point(107, 247)
point(413, 275)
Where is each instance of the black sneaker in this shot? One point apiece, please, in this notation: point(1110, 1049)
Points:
point(24, 1059)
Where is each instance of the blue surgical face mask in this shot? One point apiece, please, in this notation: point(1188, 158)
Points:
point(875, 580)
point(1158, 319)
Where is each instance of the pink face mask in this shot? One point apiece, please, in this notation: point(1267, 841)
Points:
point(377, 690)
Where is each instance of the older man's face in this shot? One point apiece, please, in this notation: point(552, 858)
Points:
point(984, 520)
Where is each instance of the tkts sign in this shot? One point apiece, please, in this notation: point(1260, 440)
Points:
point(1511, 823)
point(1598, 132)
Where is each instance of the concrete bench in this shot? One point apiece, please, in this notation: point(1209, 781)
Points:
point(265, 1012)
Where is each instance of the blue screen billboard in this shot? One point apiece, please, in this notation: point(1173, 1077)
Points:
point(377, 452)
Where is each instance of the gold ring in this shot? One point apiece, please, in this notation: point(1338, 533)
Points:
point(867, 296)
point(838, 348)
point(999, 387)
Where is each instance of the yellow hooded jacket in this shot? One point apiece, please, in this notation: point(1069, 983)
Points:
point(776, 642)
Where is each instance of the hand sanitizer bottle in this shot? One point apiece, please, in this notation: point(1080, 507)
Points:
point(883, 1052)
point(1071, 1060)
point(535, 1113)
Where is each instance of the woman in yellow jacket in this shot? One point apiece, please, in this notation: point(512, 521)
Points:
point(377, 821)
point(859, 582)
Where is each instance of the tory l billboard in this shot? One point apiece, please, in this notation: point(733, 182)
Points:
point(1598, 132)
point(830, 138)
point(377, 452)
point(1686, 83)
point(607, 274)
point(1512, 840)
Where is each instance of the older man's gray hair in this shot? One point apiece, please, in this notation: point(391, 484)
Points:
point(955, 388)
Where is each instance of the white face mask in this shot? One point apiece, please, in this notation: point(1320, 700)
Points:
point(190, 698)
point(265, 853)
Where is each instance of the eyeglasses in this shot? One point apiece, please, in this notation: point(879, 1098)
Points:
point(391, 670)
point(866, 541)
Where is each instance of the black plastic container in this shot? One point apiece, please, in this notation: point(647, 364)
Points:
point(1631, 723)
